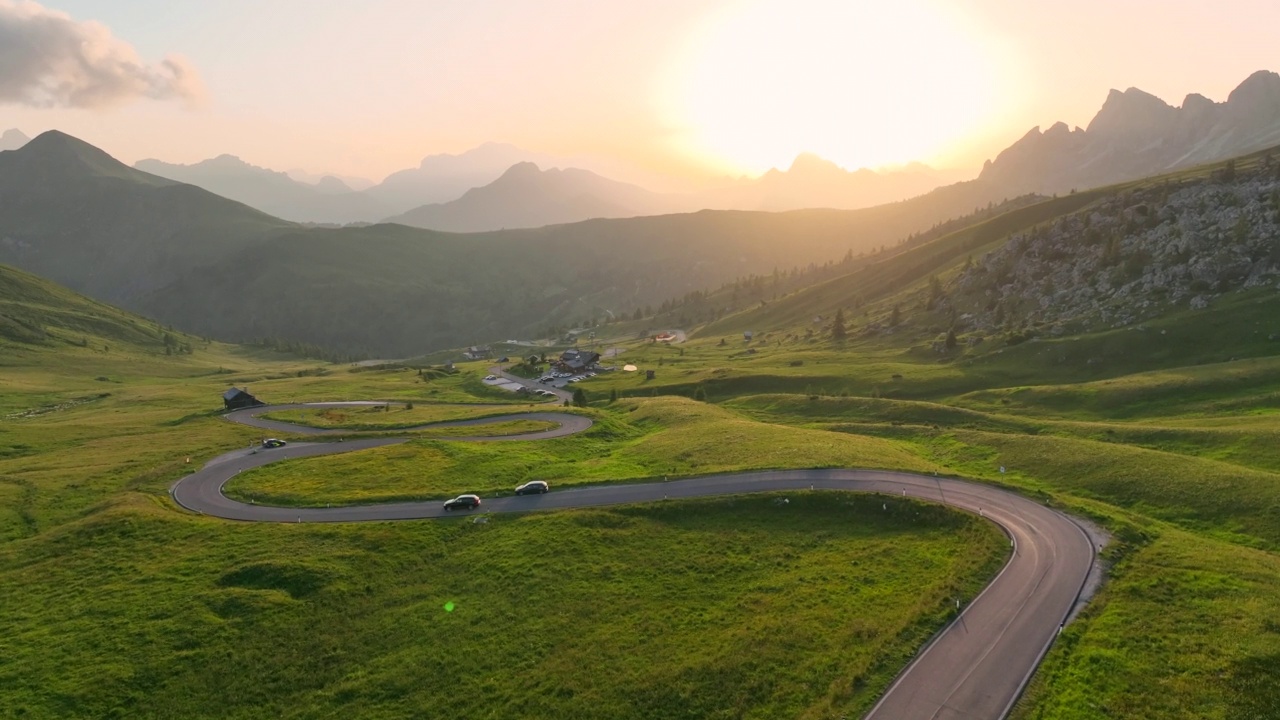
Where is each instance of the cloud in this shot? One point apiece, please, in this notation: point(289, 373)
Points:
point(47, 59)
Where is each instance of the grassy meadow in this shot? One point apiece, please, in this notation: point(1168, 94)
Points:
point(1180, 463)
point(393, 416)
point(115, 603)
point(737, 607)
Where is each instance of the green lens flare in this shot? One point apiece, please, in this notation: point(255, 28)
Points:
point(448, 607)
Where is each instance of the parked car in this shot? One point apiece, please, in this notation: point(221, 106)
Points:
point(533, 487)
point(273, 443)
point(463, 502)
point(490, 377)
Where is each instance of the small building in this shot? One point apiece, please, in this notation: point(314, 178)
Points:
point(575, 360)
point(235, 399)
point(748, 335)
point(477, 352)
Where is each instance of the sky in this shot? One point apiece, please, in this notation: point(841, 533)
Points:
point(670, 93)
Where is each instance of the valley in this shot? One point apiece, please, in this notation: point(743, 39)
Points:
point(720, 361)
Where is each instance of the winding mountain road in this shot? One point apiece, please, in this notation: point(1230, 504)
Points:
point(975, 668)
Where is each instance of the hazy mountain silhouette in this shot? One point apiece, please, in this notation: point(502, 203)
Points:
point(13, 139)
point(351, 182)
point(72, 213)
point(272, 192)
point(331, 185)
point(813, 182)
point(1136, 134)
point(525, 196)
point(444, 177)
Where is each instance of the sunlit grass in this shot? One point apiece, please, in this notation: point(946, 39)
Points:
point(736, 605)
point(637, 439)
point(393, 416)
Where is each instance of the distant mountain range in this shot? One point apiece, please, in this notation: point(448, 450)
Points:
point(275, 193)
point(187, 257)
point(526, 197)
point(812, 181)
point(12, 140)
point(441, 178)
point(1136, 135)
point(498, 186)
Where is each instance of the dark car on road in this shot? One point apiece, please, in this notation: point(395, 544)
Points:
point(273, 443)
point(463, 502)
point(534, 487)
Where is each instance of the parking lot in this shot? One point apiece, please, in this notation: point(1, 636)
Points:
point(558, 379)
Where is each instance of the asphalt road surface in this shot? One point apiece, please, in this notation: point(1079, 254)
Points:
point(975, 668)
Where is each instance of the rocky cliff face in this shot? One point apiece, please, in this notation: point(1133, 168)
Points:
point(1136, 134)
point(1130, 257)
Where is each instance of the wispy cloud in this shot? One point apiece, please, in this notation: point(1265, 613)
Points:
point(48, 59)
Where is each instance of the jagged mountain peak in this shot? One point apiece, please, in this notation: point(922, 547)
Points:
point(1131, 111)
point(811, 164)
point(1258, 95)
point(227, 160)
point(1196, 102)
point(1136, 134)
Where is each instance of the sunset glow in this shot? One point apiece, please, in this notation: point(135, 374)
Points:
point(863, 84)
point(667, 94)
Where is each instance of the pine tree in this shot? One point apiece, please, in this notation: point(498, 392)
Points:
point(837, 326)
point(579, 397)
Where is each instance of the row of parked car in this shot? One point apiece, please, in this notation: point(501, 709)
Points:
point(471, 501)
point(553, 376)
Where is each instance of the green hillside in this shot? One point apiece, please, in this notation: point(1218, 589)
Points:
point(71, 213)
point(973, 281)
point(37, 315)
point(208, 265)
point(390, 289)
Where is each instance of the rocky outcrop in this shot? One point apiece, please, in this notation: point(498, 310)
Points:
point(1130, 257)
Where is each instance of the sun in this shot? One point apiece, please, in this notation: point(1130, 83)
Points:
point(862, 83)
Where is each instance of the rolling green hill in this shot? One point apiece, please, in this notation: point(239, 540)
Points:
point(38, 315)
point(71, 213)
